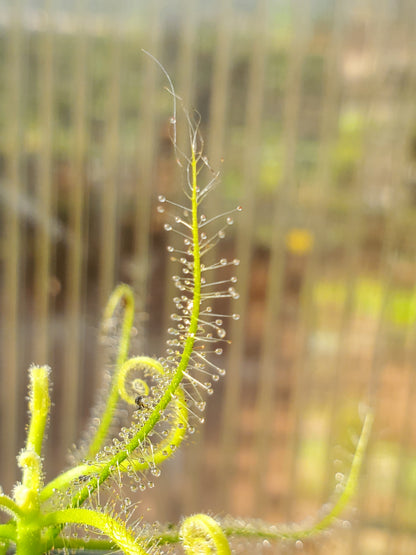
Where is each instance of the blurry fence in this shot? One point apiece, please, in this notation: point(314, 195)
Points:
point(311, 104)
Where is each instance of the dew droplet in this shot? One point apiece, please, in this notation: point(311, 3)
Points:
point(160, 209)
point(236, 262)
point(169, 248)
point(218, 351)
point(239, 208)
point(230, 221)
point(172, 120)
point(221, 234)
point(236, 316)
point(221, 333)
point(299, 544)
point(161, 198)
point(223, 261)
point(167, 227)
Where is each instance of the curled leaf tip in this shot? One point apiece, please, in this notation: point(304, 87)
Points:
point(202, 534)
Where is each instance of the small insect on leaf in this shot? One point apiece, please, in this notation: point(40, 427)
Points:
point(139, 402)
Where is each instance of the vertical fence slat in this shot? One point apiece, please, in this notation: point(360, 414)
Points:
point(216, 137)
point(333, 79)
point(374, 370)
point(44, 192)
point(268, 368)
point(184, 82)
point(317, 223)
point(109, 197)
point(220, 82)
point(75, 270)
point(235, 363)
point(405, 436)
point(11, 245)
point(146, 155)
point(187, 53)
point(393, 147)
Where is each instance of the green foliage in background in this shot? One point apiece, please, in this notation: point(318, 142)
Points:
point(371, 298)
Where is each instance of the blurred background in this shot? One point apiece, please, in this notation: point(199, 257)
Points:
point(308, 109)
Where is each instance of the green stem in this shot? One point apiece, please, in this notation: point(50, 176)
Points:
point(245, 530)
point(26, 493)
point(109, 526)
point(121, 292)
point(9, 506)
point(62, 481)
point(83, 544)
point(28, 540)
point(8, 532)
point(39, 404)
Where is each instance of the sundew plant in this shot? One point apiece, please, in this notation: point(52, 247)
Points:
point(86, 507)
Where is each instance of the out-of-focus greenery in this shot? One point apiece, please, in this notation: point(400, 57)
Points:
point(371, 298)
